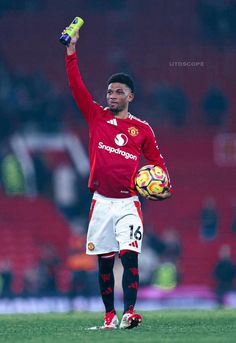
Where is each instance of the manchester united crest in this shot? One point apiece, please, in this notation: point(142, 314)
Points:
point(91, 246)
point(133, 131)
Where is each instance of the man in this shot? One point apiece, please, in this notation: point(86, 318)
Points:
point(224, 273)
point(117, 140)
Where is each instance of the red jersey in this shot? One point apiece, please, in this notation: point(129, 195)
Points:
point(116, 145)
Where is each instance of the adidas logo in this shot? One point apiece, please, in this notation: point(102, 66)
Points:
point(112, 122)
point(134, 244)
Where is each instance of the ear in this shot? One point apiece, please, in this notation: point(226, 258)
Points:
point(131, 97)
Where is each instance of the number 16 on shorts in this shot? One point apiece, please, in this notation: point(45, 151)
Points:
point(135, 233)
point(135, 236)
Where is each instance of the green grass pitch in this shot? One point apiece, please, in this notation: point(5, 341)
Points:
point(183, 326)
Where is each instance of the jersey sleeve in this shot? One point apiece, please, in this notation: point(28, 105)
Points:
point(82, 96)
point(152, 153)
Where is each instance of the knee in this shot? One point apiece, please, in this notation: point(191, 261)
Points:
point(129, 258)
point(106, 260)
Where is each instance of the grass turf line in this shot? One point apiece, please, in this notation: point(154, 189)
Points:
point(183, 326)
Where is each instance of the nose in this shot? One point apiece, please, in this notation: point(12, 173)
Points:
point(113, 97)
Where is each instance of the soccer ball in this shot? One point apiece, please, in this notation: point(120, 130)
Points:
point(151, 180)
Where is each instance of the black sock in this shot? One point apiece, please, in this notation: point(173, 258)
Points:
point(106, 281)
point(130, 280)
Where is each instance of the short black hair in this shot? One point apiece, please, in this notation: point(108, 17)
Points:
point(122, 78)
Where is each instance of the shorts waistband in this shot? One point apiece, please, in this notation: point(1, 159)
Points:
point(98, 196)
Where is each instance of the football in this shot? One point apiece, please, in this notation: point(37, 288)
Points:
point(151, 180)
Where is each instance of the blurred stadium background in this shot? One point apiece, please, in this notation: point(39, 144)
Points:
point(182, 56)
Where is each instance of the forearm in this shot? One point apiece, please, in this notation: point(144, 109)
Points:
point(70, 49)
point(153, 155)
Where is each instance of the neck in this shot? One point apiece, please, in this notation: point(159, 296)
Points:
point(122, 115)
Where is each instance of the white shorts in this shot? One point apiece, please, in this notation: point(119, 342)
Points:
point(115, 224)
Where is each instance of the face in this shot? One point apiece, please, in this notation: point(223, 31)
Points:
point(118, 97)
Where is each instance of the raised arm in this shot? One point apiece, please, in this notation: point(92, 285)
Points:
point(80, 92)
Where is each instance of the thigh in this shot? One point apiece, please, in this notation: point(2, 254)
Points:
point(129, 227)
point(101, 234)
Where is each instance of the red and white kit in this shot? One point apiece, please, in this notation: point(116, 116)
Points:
point(116, 145)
